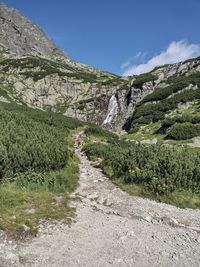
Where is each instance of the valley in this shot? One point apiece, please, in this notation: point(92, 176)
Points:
point(95, 168)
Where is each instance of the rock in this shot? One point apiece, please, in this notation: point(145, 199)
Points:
point(101, 200)
point(131, 233)
point(108, 203)
point(93, 196)
point(3, 99)
point(59, 200)
point(30, 211)
point(25, 228)
point(148, 219)
point(170, 221)
point(21, 36)
point(150, 142)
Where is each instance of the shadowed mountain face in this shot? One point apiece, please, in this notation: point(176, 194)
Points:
point(34, 71)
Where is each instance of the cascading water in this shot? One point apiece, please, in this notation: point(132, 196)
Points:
point(112, 110)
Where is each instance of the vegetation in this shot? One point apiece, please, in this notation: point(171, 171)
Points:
point(94, 130)
point(169, 122)
point(143, 78)
point(167, 98)
point(26, 144)
point(37, 164)
point(183, 131)
point(38, 68)
point(162, 93)
point(158, 171)
point(151, 111)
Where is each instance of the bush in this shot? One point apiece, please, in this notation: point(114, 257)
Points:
point(134, 130)
point(95, 130)
point(156, 111)
point(159, 169)
point(143, 120)
point(162, 93)
point(143, 78)
point(184, 131)
point(166, 105)
point(32, 140)
point(169, 122)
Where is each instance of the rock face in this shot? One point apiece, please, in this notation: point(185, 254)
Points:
point(22, 37)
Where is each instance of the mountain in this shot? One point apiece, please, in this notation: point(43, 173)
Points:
point(21, 37)
point(34, 71)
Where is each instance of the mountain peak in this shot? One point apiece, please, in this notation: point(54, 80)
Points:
point(22, 37)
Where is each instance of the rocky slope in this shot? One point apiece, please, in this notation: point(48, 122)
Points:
point(22, 37)
point(34, 71)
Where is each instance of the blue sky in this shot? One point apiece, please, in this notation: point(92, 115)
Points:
point(120, 36)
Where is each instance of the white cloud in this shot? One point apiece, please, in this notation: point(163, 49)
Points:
point(175, 52)
point(133, 60)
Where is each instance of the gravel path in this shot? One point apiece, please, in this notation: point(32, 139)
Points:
point(111, 228)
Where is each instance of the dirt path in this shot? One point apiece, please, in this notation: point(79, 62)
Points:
point(112, 228)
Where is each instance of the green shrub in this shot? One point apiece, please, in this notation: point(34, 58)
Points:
point(95, 130)
point(162, 93)
point(166, 105)
point(134, 130)
point(32, 140)
point(159, 169)
point(183, 131)
point(30, 144)
point(169, 122)
point(146, 112)
point(143, 120)
point(143, 78)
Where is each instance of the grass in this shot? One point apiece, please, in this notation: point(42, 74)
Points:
point(181, 199)
point(14, 203)
point(147, 132)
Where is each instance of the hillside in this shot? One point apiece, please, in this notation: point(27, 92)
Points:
point(34, 71)
point(171, 109)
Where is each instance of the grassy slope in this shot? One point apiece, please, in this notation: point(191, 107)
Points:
point(20, 192)
point(37, 68)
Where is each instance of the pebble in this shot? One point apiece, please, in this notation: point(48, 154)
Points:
point(92, 196)
point(25, 228)
point(29, 211)
point(148, 219)
point(59, 200)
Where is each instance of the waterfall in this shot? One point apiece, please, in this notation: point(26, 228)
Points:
point(112, 110)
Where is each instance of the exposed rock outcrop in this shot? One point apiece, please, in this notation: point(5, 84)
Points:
point(22, 37)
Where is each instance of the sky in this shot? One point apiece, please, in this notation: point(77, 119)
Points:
point(125, 37)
